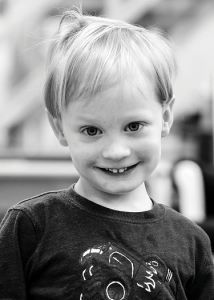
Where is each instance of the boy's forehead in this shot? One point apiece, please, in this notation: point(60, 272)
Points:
point(127, 96)
point(128, 83)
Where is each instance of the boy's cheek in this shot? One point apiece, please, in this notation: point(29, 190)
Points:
point(82, 158)
point(150, 150)
point(149, 145)
point(146, 149)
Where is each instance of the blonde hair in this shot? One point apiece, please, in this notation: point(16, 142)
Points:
point(89, 54)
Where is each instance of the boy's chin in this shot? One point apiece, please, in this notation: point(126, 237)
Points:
point(120, 188)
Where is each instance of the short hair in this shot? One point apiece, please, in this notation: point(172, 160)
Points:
point(89, 54)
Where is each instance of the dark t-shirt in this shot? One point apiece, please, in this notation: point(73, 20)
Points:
point(59, 245)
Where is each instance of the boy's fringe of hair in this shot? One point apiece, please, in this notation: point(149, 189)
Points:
point(89, 54)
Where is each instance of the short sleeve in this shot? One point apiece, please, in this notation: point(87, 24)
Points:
point(203, 286)
point(18, 242)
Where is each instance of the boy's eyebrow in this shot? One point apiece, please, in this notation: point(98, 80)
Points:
point(137, 116)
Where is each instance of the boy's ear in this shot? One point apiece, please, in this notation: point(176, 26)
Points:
point(56, 125)
point(167, 117)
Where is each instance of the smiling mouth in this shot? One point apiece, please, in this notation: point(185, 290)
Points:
point(118, 171)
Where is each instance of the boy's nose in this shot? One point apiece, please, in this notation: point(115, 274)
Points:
point(116, 151)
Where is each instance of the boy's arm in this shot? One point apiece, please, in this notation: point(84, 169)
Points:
point(17, 244)
point(203, 287)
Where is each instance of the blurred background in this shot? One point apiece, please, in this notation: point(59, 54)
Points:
point(32, 161)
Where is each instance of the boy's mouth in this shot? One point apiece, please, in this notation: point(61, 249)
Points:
point(118, 171)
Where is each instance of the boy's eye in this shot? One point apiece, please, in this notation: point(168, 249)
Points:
point(92, 131)
point(134, 126)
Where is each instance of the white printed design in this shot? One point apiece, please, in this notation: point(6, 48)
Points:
point(110, 273)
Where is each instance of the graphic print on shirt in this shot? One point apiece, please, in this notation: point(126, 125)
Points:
point(111, 273)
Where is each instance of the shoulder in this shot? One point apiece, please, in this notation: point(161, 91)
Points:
point(43, 208)
point(39, 202)
point(185, 227)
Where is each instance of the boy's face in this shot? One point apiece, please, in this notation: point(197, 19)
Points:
point(115, 139)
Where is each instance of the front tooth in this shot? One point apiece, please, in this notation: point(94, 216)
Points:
point(117, 170)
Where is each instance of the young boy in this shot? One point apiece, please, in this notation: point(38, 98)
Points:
point(109, 98)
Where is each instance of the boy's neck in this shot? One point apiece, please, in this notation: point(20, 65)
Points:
point(135, 201)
